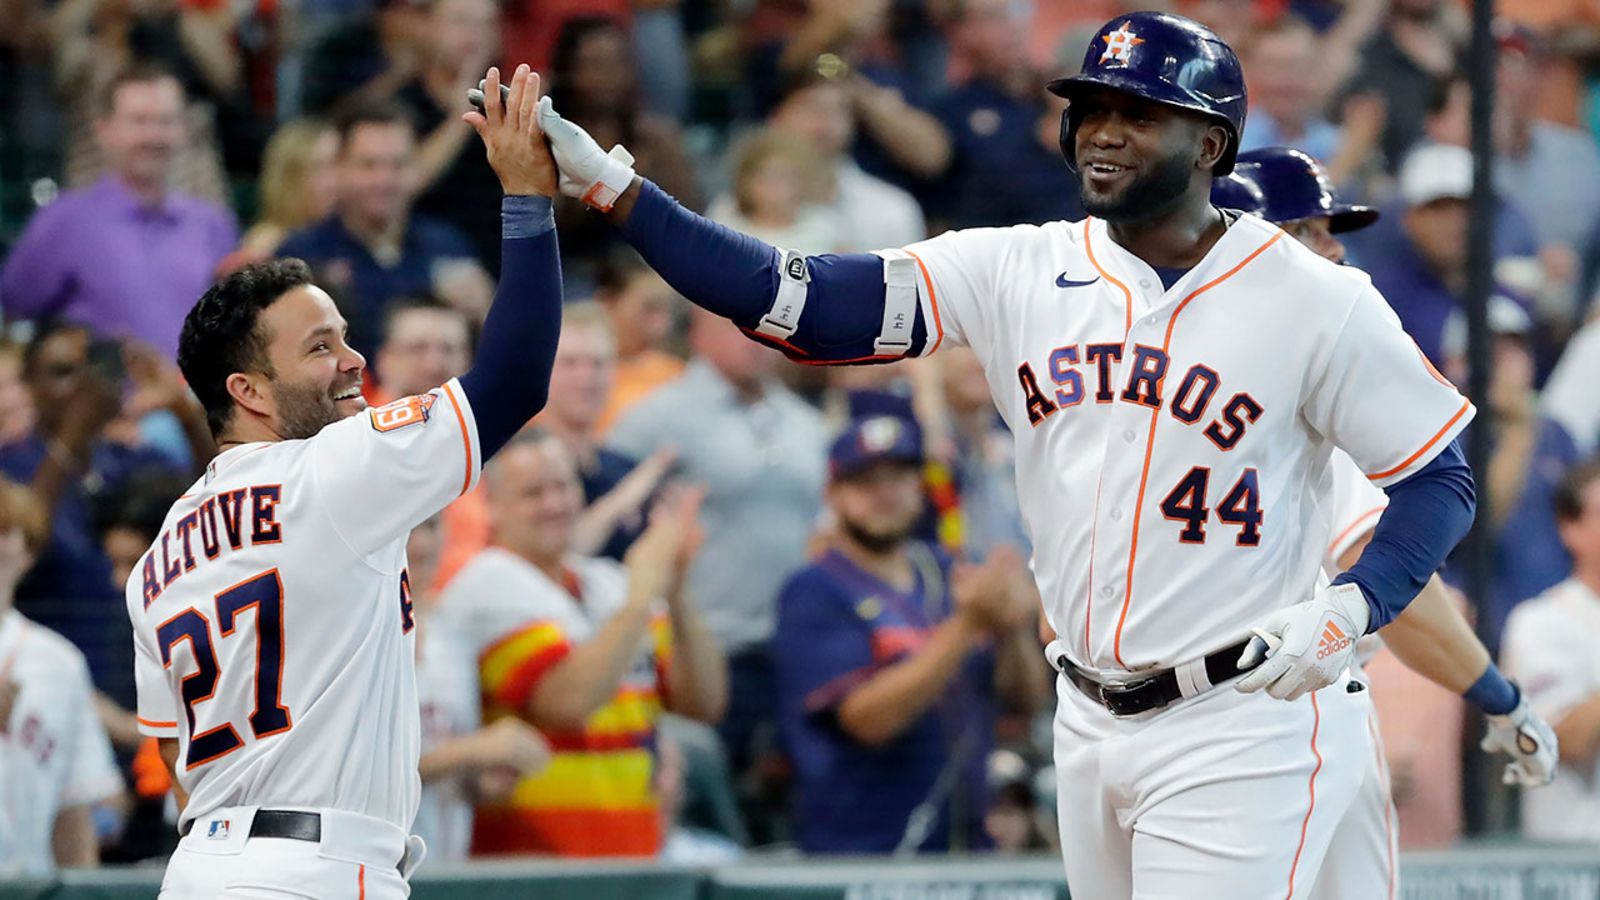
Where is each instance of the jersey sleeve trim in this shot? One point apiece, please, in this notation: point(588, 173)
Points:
point(1354, 531)
point(157, 729)
point(933, 302)
point(1423, 456)
point(1127, 295)
point(468, 425)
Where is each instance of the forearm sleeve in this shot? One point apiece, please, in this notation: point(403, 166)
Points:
point(510, 376)
point(1428, 514)
point(826, 309)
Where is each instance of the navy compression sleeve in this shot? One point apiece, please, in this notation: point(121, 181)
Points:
point(736, 276)
point(1429, 512)
point(510, 376)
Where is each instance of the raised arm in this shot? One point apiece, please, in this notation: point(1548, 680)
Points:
point(510, 376)
point(828, 309)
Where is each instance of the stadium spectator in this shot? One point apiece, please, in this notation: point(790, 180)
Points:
point(456, 183)
point(777, 186)
point(1000, 172)
point(462, 761)
point(850, 40)
point(891, 664)
point(96, 40)
point(760, 452)
point(299, 182)
point(128, 255)
point(16, 405)
point(1418, 45)
point(594, 83)
point(616, 488)
point(870, 212)
point(1285, 93)
point(425, 344)
point(55, 760)
point(366, 60)
point(983, 462)
point(1551, 169)
point(1550, 649)
point(1530, 557)
point(66, 459)
point(643, 312)
point(586, 650)
point(1419, 263)
point(372, 249)
point(531, 29)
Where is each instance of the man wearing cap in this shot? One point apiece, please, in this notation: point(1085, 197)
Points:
point(1423, 275)
point(892, 663)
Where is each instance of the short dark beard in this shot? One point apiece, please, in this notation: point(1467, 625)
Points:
point(303, 410)
point(1151, 195)
point(876, 543)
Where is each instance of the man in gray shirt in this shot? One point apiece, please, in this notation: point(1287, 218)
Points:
point(761, 453)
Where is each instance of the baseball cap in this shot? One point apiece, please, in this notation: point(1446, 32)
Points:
point(1436, 172)
point(867, 441)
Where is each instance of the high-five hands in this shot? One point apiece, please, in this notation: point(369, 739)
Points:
point(588, 173)
point(508, 123)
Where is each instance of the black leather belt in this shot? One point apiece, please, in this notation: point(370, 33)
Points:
point(279, 823)
point(1154, 690)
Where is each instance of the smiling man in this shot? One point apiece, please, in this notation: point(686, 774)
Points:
point(272, 617)
point(1174, 420)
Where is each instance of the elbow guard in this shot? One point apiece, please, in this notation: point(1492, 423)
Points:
point(844, 309)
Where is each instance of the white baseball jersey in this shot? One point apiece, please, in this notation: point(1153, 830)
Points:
point(54, 754)
point(1549, 648)
point(272, 618)
point(1173, 445)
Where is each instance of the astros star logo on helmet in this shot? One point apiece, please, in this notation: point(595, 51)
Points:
point(1120, 44)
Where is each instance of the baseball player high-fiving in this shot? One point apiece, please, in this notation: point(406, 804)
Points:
point(272, 617)
point(1174, 420)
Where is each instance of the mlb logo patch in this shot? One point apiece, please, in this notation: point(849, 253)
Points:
point(218, 830)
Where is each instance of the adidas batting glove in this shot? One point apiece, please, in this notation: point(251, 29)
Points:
point(1307, 646)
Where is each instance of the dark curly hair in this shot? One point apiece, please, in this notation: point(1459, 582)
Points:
point(222, 334)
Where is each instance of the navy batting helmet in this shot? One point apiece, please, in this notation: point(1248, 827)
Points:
point(1165, 58)
point(1237, 190)
point(1295, 186)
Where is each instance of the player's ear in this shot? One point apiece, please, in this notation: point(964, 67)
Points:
point(1213, 143)
point(249, 391)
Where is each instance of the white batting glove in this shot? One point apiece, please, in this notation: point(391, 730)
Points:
point(587, 172)
point(1529, 741)
point(1306, 646)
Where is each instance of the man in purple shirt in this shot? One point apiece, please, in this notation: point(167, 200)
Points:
point(125, 256)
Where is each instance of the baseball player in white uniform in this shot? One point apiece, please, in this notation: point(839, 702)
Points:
point(1175, 421)
point(272, 617)
point(1290, 189)
point(55, 758)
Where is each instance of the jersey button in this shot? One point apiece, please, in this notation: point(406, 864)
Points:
point(1106, 592)
point(1129, 436)
point(1144, 282)
point(1116, 515)
point(1150, 321)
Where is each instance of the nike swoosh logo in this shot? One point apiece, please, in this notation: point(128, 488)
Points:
point(1063, 281)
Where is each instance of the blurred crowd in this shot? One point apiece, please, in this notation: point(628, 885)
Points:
point(712, 601)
